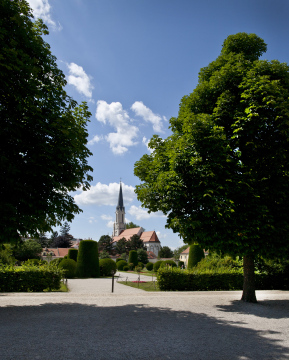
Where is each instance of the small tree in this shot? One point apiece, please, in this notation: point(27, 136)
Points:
point(104, 255)
point(120, 246)
point(72, 254)
point(87, 259)
point(135, 243)
point(196, 254)
point(132, 258)
point(142, 256)
point(29, 249)
point(165, 252)
point(62, 242)
point(131, 225)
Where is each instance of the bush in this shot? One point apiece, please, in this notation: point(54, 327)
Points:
point(69, 266)
point(132, 258)
point(119, 259)
point(131, 266)
point(181, 264)
point(120, 264)
point(140, 264)
point(106, 267)
point(157, 265)
point(56, 261)
point(125, 268)
point(196, 254)
point(87, 259)
point(29, 278)
point(217, 262)
point(35, 262)
point(149, 266)
point(168, 263)
point(72, 254)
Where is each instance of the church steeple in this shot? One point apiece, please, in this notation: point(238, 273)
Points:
point(119, 224)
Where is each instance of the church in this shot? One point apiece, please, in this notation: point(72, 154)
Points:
point(149, 238)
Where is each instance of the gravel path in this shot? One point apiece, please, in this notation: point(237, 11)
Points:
point(91, 323)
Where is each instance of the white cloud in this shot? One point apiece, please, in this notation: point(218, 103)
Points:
point(92, 220)
point(140, 213)
point(41, 9)
point(141, 110)
point(102, 194)
point(106, 217)
point(78, 77)
point(118, 118)
point(160, 235)
point(109, 224)
point(95, 140)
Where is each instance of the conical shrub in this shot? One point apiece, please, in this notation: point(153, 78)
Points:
point(87, 259)
point(132, 258)
point(196, 254)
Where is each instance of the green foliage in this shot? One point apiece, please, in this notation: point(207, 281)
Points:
point(131, 225)
point(142, 255)
point(105, 243)
point(107, 266)
point(157, 265)
point(181, 264)
point(216, 262)
point(132, 258)
point(149, 266)
point(119, 259)
point(87, 259)
point(43, 132)
point(29, 278)
point(56, 262)
point(104, 255)
point(196, 254)
point(29, 249)
point(230, 279)
point(165, 252)
point(120, 247)
point(72, 254)
point(168, 264)
point(125, 268)
point(6, 255)
point(134, 243)
point(69, 266)
point(131, 266)
point(120, 264)
point(35, 262)
point(140, 264)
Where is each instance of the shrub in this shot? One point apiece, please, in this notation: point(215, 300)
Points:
point(168, 263)
point(149, 266)
point(216, 262)
point(131, 266)
point(35, 262)
point(196, 254)
point(87, 259)
point(180, 264)
point(125, 268)
point(140, 264)
point(106, 267)
point(56, 261)
point(132, 258)
point(69, 266)
point(72, 254)
point(157, 265)
point(29, 278)
point(119, 259)
point(120, 264)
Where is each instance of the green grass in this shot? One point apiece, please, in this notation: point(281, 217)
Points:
point(63, 288)
point(147, 286)
point(143, 272)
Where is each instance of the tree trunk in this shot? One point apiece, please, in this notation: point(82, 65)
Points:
point(249, 294)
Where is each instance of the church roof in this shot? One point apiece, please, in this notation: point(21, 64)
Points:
point(186, 251)
point(146, 236)
point(120, 199)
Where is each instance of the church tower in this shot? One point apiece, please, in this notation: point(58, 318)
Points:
point(119, 224)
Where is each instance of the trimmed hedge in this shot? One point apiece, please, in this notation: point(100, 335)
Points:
point(106, 267)
point(196, 254)
point(149, 266)
point(157, 265)
point(29, 278)
point(72, 254)
point(87, 260)
point(184, 280)
point(132, 257)
point(69, 266)
point(167, 263)
point(121, 264)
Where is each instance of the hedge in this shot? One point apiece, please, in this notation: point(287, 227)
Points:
point(157, 265)
point(29, 278)
point(69, 267)
point(121, 264)
point(132, 257)
point(72, 254)
point(196, 254)
point(184, 280)
point(87, 260)
point(106, 267)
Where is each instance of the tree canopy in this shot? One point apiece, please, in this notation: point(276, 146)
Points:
point(105, 243)
point(166, 252)
point(131, 225)
point(43, 132)
point(222, 176)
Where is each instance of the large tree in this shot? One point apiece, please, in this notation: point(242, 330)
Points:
point(105, 243)
point(43, 132)
point(135, 243)
point(222, 176)
point(166, 252)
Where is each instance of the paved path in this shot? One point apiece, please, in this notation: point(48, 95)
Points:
point(92, 323)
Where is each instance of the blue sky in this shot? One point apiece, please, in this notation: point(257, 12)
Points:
point(133, 61)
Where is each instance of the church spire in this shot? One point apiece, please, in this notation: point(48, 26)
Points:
point(119, 224)
point(120, 199)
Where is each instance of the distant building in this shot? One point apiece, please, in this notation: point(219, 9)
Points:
point(184, 256)
point(149, 238)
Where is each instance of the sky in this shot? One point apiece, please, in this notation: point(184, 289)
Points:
point(132, 61)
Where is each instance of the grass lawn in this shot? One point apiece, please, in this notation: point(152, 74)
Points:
point(63, 288)
point(143, 272)
point(147, 286)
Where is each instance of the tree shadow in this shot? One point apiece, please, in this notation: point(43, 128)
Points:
point(270, 309)
point(129, 332)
